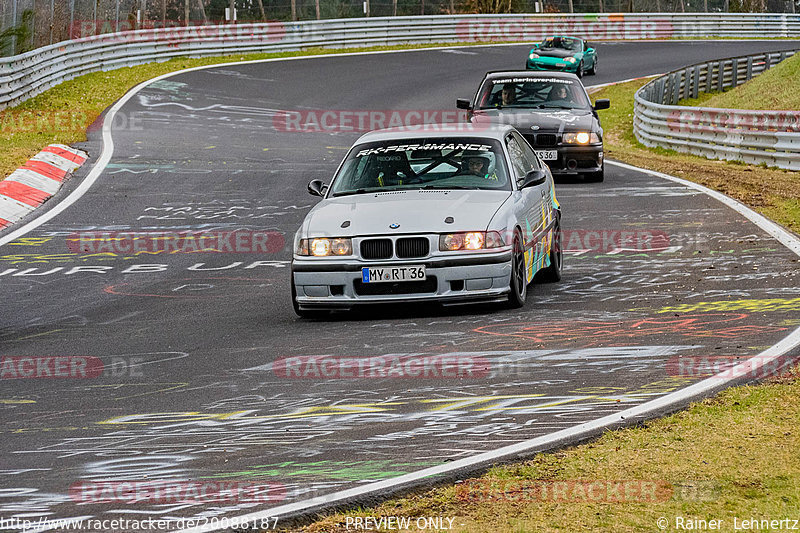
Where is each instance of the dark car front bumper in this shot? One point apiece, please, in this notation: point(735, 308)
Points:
point(571, 158)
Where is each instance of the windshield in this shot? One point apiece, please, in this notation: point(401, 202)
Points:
point(533, 93)
point(561, 43)
point(432, 163)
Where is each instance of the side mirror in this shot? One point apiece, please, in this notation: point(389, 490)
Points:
point(537, 45)
point(534, 177)
point(590, 50)
point(463, 103)
point(603, 103)
point(317, 188)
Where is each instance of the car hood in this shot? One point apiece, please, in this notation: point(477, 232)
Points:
point(547, 120)
point(416, 211)
point(555, 53)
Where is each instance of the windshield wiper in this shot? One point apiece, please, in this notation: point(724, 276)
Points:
point(348, 193)
point(554, 106)
point(441, 187)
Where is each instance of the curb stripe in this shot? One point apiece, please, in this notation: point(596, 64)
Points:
point(45, 169)
point(37, 180)
point(56, 160)
point(12, 210)
point(23, 193)
point(71, 154)
point(34, 179)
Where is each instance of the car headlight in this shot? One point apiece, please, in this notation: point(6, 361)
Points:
point(570, 59)
point(534, 56)
point(473, 240)
point(324, 247)
point(580, 137)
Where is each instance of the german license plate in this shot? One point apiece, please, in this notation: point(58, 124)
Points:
point(383, 274)
point(547, 155)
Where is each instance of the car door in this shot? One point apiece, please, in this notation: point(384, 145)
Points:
point(531, 204)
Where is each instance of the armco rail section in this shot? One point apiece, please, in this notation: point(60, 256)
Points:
point(29, 74)
point(770, 137)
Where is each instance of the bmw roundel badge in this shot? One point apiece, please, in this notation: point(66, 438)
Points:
point(394, 225)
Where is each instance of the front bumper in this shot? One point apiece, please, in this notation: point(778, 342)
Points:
point(575, 159)
point(322, 284)
point(558, 66)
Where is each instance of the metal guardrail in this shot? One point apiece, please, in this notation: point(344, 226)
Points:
point(29, 74)
point(769, 137)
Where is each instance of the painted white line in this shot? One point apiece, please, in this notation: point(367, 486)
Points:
point(705, 387)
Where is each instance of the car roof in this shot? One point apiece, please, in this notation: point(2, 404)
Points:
point(533, 74)
point(493, 131)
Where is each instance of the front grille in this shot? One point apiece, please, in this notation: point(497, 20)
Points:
point(546, 139)
point(376, 249)
point(428, 286)
point(412, 247)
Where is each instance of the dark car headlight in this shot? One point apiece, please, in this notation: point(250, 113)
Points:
point(580, 137)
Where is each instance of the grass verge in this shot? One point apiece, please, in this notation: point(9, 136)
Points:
point(730, 456)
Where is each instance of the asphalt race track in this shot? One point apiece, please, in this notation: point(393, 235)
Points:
point(188, 389)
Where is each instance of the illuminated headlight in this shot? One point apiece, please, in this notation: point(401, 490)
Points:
point(474, 240)
point(581, 137)
point(570, 59)
point(324, 247)
point(534, 56)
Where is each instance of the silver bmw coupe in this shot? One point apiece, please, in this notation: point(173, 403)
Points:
point(438, 213)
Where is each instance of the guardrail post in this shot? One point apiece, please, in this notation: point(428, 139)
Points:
point(695, 81)
point(707, 86)
point(720, 76)
point(687, 83)
point(676, 88)
point(749, 68)
point(735, 72)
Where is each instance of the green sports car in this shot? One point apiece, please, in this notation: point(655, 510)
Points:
point(565, 54)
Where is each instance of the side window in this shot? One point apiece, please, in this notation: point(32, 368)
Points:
point(529, 154)
point(517, 156)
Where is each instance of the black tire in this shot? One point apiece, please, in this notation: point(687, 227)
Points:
point(519, 281)
point(593, 70)
point(304, 313)
point(595, 177)
point(579, 70)
point(552, 273)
